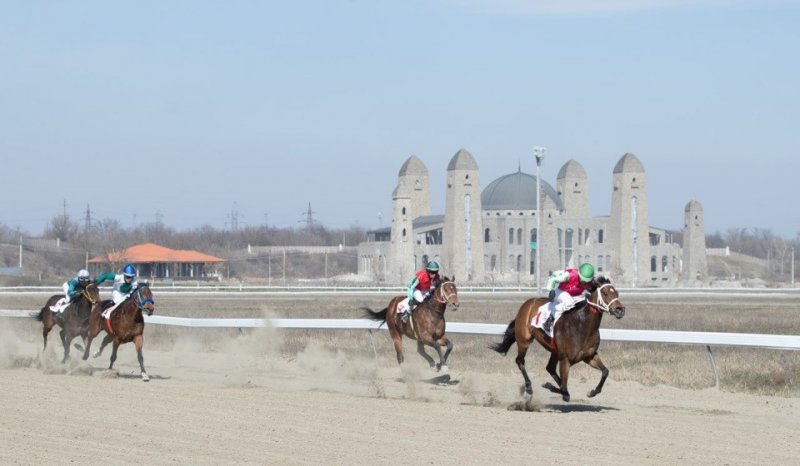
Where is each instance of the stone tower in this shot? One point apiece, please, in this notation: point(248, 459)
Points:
point(695, 267)
point(410, 199)
point(462, 235)
point(573, 189)
point(629, 233)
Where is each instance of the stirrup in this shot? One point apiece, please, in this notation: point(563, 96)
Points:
point(404, 316)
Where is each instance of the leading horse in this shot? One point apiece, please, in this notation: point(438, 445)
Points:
point(576, 336)
point(74, 320)
point(426, 323)
point(125, 325)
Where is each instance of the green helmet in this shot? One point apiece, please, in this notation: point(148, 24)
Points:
point(586, 272)
point(432, 266)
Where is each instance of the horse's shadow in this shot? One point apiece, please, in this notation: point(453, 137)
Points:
point(443, 380)
point(578, 408)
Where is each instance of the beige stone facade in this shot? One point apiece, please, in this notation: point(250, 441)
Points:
point(488, 236)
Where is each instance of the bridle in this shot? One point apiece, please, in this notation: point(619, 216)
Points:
point(444, 294)
point(86, 294)
point(141, 302)
point(600, 303)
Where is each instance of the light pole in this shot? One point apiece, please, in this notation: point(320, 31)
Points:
point(538, 152)
point(792, 267)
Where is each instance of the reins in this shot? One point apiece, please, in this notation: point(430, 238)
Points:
point(600, 304)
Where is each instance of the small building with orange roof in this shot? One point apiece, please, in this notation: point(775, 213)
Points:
point(154, 261)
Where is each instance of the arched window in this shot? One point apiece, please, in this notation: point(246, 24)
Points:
point(664, 263)
point(487, 236)
point(510, 236)
point(519, 263)
point(493, 263)
point(653, 264)
point(519, 235)
point(600, 236)
point(404, 210)
point(404, 232)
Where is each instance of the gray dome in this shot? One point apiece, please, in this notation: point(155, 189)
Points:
point(629, 163)
point(462, 160)
point(571, 169)
point(693, 206)
point(413, 166)
point(517, 191)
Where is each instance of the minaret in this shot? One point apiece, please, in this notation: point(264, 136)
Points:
point(410, 199)
point(462, 236)
point(573, 189)
point(695, 267)
point(629, 231)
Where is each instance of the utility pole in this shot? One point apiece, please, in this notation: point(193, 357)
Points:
point(792, 267)
point(538, 152)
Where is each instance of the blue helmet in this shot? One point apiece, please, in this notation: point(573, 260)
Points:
point(129, 270)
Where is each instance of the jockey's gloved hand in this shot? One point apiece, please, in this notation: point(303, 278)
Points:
point(551, 296)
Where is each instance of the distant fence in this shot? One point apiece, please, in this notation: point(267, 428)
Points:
point(707, 339)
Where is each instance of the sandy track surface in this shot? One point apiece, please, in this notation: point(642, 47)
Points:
point(219, 397)
point(323, 407)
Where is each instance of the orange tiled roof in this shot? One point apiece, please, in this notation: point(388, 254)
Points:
point(149, 252)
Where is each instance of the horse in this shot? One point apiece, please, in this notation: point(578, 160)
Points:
point(426, 323)
point(125, 325)
point(576, 336)
point(74, 320)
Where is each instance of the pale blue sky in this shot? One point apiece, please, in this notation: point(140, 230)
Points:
point(194, 108)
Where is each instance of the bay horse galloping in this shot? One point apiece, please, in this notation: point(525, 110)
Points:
point(576, 336)
point(74, 320)
point(125, 325)
point(426, 323)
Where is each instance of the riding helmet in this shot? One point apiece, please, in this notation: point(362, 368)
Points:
point(586, 272)
point(432, 266)
point(129, 270)
point(83, 275)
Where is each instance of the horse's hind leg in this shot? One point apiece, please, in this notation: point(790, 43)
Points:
point(47, 325)
point(522, 350)
point(65, 341)
point(397, 340)
point(138, 341)
point(595, 362)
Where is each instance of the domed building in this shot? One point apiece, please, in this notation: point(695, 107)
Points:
point(491, 236)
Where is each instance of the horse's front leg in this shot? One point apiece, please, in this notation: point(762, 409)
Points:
point(551, 369)
point(421, 351)
point(106, 340)
point(522, 350)
point(595, 362)
point(449, 345)
point(138, 341)
point(113, 352)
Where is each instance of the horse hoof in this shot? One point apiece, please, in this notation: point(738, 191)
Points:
point(443, 369)
point(592, 393)
point(565, 398)
point(145, 377)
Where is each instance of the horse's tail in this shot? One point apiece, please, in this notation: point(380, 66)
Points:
point(379, 316)
point(508, 339)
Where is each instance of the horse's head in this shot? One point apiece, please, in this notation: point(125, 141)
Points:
point(144, 299)
point(606, 297)
point(448, 292)
point(91, 293)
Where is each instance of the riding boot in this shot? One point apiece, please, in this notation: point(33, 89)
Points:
point(548, 324)
point(407, 313)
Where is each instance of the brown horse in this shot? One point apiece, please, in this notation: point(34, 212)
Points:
point(426, 323)
point(576, 336)
point(125, 325)
point(74, 320)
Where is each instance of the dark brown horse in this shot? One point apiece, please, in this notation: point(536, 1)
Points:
point(74, 320)
point(576, 336)
point(125, 325)
point(426, 323)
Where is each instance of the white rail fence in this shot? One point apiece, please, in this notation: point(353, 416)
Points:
point(707, 339)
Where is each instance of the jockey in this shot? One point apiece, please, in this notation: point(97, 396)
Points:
point(123, 284)
point(564, 286)
point(420, 287)
point(72, 289)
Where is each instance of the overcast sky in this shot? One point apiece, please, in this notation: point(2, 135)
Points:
point(191, 110)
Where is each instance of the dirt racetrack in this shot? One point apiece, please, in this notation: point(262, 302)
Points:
point(241, 399)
